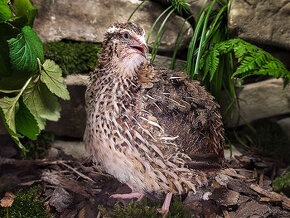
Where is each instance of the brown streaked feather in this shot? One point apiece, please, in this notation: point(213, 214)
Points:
point(150, 127)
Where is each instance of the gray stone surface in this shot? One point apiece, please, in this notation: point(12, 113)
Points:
point(261, 100)
point(89, 20)
point(261, 21)
point(73, 148)
point(285, 125)
point(73, 116)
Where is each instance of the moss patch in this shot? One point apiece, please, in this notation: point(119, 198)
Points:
point(73, 57)
point(37, 149)
point(282, 184)
point(26, 205)
point(146, 209)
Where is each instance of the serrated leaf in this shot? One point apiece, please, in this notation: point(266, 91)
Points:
point(25, 122)
point(5, 13)
point(25, 8)
point(41, 103)
point(51, 75)
point(25, 49)
point(8, 108)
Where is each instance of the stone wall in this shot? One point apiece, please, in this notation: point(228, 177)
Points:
point(88, 20)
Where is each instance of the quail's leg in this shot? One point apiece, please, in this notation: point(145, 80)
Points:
point(131, 195)
point(166, 204)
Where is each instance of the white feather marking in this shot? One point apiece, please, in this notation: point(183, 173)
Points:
point(175, 102)
point(145, 130)
point(160, 163)
point(175, 77)
point(153, 123)
point(189, 184)
point(178, 186)
point(167, 138)
point(150, 97)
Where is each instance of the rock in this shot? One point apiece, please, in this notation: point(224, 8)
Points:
point(73, 115)
point(261, 100)
point(285, 125)
point(73, 148)
point(60, 199)
point(235, 152)
point(3, 131)
point(89, 20)
point(261, 22)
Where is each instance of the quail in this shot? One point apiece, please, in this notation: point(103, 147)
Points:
point(151, 128)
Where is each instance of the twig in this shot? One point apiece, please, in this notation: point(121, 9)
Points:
point(261, 180)
point(272, 195)
point(77, 172)
point(30, 162)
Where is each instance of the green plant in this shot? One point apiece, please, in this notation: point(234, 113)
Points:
point(29, 84)
point(26, 205)
point(37, 148)
point(282, 184)
point(144, 209)
point(73, 57)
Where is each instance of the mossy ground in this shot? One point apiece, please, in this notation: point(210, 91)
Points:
point(37, 149)
point(282, 184)
point(145, 209)
point(26, 205)
point(73, 57)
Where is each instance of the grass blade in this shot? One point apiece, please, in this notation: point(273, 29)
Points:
point(155, 22)
point(158, 37)
point(131, 15)
point(200, 49)
point(179, 38)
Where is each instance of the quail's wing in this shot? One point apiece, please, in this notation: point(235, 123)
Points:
point(187, 114)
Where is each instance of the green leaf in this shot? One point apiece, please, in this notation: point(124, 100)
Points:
point(25, 122)
point(9, 107)
point(51, 75)
point(25, 49)
point(41, 103)
point(5, 13)
point(23, 8)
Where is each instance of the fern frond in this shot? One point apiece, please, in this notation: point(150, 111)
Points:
point(214, 63)
point(252, 59)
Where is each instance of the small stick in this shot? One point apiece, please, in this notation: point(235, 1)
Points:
point(77, 172)
point(261, 180)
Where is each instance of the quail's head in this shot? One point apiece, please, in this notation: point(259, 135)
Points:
point(124, 47)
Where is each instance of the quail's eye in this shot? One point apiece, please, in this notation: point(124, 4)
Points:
point(126, 35)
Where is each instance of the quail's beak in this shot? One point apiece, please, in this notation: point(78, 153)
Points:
point(140, 47)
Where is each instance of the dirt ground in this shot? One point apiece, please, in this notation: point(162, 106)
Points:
point(77, 187)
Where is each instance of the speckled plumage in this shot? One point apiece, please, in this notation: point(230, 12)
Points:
point(151, 128)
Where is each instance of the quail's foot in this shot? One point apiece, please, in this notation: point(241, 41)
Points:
point(131, 195)
point(166, 204)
